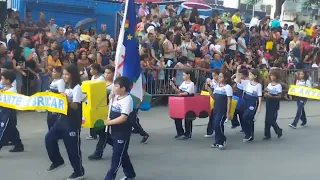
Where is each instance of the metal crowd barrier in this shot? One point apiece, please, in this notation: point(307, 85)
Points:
point(157, 82)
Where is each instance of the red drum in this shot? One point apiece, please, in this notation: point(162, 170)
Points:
point(189, 107)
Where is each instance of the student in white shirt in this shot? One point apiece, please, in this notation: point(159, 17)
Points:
point(301, 101)
point(8, 120)
point(241, 81)
point(120, 122)
point(68, 127)
point(252, 103)
point(222, 96)
point(104, 137)
point(185, 89)
point(212, 83)
point(273, 94)
point(57, 86)
point(108, 77)
point(96, 72)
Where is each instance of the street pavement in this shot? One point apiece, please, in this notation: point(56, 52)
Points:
point(293, 157)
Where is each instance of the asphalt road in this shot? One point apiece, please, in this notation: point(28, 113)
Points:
point(293, 157)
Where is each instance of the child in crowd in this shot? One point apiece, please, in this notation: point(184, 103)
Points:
point(273, 94)
point(57, 86)
point(301, 101)
point(222, 96)
point(252, 103)
point(185, 89)
point(8, 117)
point(120, 119)
point(212, 83)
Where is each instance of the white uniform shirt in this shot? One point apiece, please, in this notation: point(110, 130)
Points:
point(123, 106)
point(74, 95)
point(12, 89)
point(99, 78)
point(223, 90)
point(187, 87)
point(58, 84)
point(252, 90)
point(274, 89)
point(306, 83)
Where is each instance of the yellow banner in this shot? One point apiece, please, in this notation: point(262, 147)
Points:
point(40, 101)
point(306, 92)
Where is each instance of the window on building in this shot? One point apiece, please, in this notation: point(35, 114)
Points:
point(220, 3)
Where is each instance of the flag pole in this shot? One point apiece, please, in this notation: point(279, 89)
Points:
point(117, 58)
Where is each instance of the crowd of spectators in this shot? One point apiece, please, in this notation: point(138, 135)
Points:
point(167, 39)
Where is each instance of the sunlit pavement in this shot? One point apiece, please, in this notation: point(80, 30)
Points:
point(293, 157)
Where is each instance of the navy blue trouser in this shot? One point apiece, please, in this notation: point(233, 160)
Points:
point(71, 138)
point(237, 118)
point(119, 158)
point(301, 114)
point(51, 119)
point(187, 125)
point(137, 126)
point(271, 121)
point(218, 126)
point(104, 139)
point(248, 118)
point(210, 124)
point(8, 128)
point(93, 133)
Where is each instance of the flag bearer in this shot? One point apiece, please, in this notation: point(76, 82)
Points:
point(120, 119)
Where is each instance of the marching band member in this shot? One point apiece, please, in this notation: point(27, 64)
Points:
point(57, 86)
point(241, 82)
point(119, 121)
point(273, 94)
point(252, 103)
point(96, 72)
point(185, 89)
point(68, 127)
point(222, 96)
point(104, 137)
point(8, 117)
point(301, 101)
point(212, 82)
